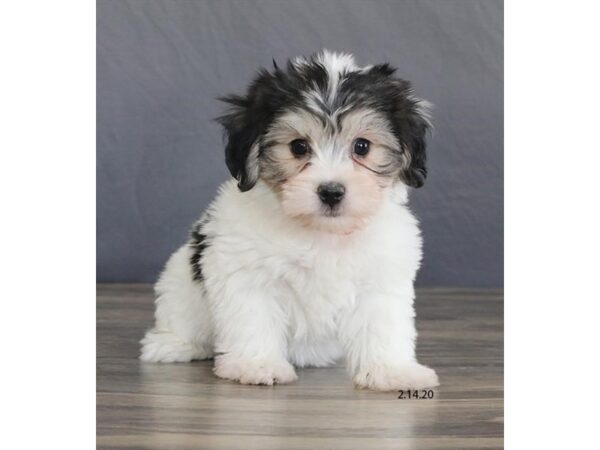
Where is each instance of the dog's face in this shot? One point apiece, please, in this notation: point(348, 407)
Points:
point(330, 138)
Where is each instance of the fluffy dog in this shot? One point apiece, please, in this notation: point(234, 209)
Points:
point(311, 252)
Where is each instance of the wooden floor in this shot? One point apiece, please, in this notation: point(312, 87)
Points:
point(142, 405)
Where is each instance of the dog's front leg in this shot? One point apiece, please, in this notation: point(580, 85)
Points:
point(250, 343)
point(379, 337)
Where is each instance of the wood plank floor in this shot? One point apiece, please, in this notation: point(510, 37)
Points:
point(183, 406)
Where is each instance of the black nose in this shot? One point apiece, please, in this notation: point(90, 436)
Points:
point(331, 193)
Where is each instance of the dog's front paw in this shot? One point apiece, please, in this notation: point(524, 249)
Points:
point(254, 370)
point(391, 378)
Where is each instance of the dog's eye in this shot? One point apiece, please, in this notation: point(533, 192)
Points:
point(299, 147)
point(361, 146)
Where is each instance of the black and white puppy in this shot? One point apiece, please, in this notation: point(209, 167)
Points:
point(311, 252)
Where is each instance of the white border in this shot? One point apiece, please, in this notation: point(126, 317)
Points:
point(47, 249)
point(552, 193)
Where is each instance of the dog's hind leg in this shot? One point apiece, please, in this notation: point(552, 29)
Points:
point(183, 330)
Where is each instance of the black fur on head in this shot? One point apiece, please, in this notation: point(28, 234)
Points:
point(273, 92)
point(377, 88)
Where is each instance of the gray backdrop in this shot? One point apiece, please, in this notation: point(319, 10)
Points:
point(161, 64)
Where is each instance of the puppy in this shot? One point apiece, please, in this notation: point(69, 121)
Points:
point(311, 252)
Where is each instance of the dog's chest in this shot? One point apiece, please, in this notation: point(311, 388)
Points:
point(318, 286)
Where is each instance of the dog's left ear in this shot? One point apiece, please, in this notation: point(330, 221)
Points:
point(409, 116)
point(416, 125)
point(413, 123)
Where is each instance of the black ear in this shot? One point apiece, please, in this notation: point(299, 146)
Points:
point(414, 124)
point(409, 117)
point(247, 120)
point(242, 132)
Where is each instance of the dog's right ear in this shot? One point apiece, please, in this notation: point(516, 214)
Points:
point(245, 123)
point(242, 132)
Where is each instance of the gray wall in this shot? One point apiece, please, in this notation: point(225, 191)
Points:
point(161, 64)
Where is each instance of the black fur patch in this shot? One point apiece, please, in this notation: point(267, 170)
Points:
point(270, 94)
point(393, 97)
point(198, 243)
point(274, 92)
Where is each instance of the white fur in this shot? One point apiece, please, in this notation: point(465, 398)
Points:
point(278, 294)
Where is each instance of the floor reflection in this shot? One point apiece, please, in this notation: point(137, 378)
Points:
point(196, 403)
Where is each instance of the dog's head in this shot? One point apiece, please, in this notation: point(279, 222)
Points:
point(330, 138)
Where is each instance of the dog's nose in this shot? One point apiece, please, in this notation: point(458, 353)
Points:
point(331, 193)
